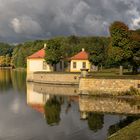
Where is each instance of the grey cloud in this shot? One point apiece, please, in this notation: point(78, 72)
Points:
point(25, 25)
point(23, 20)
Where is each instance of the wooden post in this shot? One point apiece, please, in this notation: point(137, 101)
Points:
point(121, 70)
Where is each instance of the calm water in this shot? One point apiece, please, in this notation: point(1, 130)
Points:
point(46, 112)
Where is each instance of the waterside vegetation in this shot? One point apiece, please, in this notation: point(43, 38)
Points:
point(130, 132)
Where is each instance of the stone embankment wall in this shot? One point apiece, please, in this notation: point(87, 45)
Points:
point(56, 78)
point(108, 86)
point(109, 105)
point(67, 90)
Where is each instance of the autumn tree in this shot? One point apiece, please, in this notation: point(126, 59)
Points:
point(135, 47)
point(120, 47)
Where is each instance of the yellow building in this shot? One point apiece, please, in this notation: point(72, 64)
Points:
point(36, 63)
point(80, 61)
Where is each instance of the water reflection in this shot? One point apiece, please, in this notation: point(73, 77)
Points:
point(52, 110)
point(65, 90)
point(5, 80)
point(18, 80)
point(95, 121)
point(71, 117)
point(12, 79)
point(50, 100)
point(109, 105)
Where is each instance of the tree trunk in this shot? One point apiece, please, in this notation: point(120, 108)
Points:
point(97, 68)
point(135, 70)
point(101, 67)
point(121, 71)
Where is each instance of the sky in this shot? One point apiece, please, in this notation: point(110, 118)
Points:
point(23, 20)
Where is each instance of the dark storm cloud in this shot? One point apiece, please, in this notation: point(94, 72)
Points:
point(22, 20)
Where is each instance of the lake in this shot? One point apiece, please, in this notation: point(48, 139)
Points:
point(31, 111)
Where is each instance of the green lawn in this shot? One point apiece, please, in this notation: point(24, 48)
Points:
point(131, 132)
point(114, 73)
point(105, 73)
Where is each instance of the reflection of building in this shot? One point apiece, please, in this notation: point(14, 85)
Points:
point(66, 90)
point(83, 115)
point(36, 100)
point(36, 62)
point(39, 94)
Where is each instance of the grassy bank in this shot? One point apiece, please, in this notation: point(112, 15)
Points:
point(131, 132)
point(114, 73)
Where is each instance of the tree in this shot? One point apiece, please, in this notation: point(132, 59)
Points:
point(59, 47)
point(120, 47)
point(97, 56)
point(52, 111)
point(135, 46)
point(95, 121)
point(53, 52)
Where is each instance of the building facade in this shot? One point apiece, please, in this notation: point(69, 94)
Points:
point(36, 63)
point(81, 61)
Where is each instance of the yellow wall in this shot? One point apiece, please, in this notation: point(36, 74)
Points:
point(35, 97)
point(79, 65)
point(34, 65)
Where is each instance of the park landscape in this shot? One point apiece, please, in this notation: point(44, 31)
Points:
point(116, 57)
point(70, 70)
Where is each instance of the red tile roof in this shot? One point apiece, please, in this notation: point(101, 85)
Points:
point(38, 107)
point(83, 55)
point(38, 54)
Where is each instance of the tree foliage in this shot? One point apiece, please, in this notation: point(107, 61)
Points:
point(52, 111)
point(124, 46)
point(6, 49)
point(120, 47)
point(22, 51)
point(57, 48)
point(95, 121)
point(53, 52)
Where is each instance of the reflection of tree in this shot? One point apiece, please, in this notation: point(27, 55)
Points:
point(52, 110)
point(5, 80)
point(95, 121)
point(18, 80)
point(114, 128)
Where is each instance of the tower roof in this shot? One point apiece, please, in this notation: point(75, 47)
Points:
point(83, 55)
point(38, 54)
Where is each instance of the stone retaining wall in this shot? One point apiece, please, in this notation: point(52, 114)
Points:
point(109, 86)
point(66, 90)
point(109, 105)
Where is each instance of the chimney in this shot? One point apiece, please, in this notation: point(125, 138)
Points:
point(45, 45)
point(83, 49)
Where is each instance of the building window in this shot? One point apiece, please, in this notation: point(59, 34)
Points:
point(74, 65)
point(44, 65)
point(84, 65)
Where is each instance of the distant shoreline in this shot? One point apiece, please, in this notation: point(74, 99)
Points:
point(17, 69)
point(6, 68)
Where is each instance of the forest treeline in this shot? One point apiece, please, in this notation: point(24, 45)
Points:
point(121, 48)
point(68, 46)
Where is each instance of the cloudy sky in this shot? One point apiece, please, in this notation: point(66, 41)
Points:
point(22, 20)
